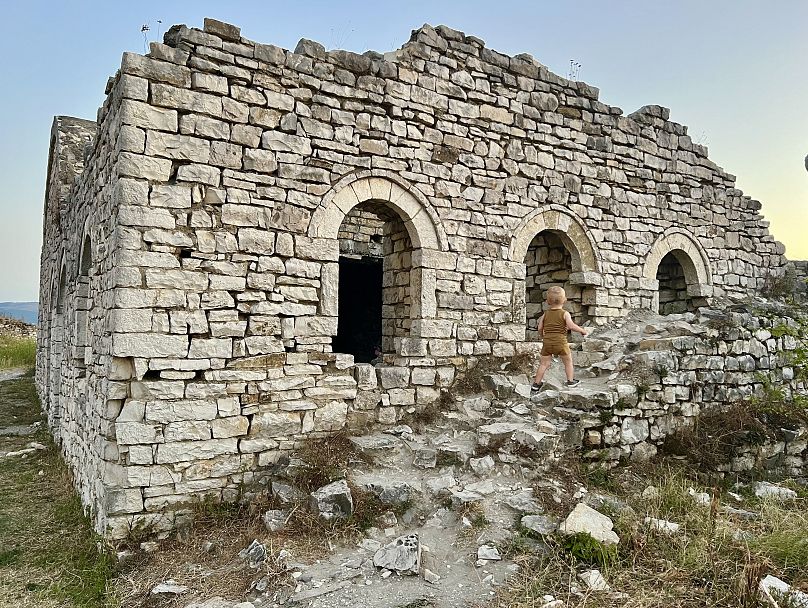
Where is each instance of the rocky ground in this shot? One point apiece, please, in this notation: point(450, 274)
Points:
point(460, 499)
point(479, 503)
point(15, 328)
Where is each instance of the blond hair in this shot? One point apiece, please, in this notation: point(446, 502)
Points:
point(556, 296)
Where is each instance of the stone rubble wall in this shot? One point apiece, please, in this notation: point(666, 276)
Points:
point(214, 194)
point(667, 381)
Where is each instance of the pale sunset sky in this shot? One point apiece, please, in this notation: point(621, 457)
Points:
point(734, 71)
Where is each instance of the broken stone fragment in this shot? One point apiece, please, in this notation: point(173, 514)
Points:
point(275, 519)
point(464, 497)
point(402, 555)
point(431, 577)
point(594, 580)
point(488, 553)
point(524, 502)
point(255, 554)
point(482, 466)
point(540, 524)
point(584, 518)
point(285, 493)
point(764, 489)
point(169, 587)
point(780, 594)
point(662, 525)
point(424, 457)
point(390, 491)
point(333, 501)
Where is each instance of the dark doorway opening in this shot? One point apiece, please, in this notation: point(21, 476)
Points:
point(359, 332)
point(673, 297)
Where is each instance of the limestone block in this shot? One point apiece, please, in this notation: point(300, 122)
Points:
point(156, 389)
point(331, 417)
point(177, 147)
point(230, 427)
point(283, 142)
point(209, 83)
point(202, 348)
point(128, 433)
point(262, 161)
point(185, 409)
point(424, 376)
point(123, 501)
point(252, 240)
point(187, 430)
point(186, 451)
point(178, 196)
point(133, 87)
point(393, 377)
point(634, 430)
point(125, 320)
point(276, 424)
point(151, 69)
point(143, 167)
point(262, 345)
point(149, 345)
point(145, 116)
point(185, 99)
point(176, 279)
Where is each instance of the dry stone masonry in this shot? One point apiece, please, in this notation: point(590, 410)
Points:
point(253, 246)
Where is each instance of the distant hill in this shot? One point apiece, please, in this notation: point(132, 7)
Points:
point(24, 311)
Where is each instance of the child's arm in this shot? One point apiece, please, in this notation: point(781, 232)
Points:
point(541, 326)
point(572, 326)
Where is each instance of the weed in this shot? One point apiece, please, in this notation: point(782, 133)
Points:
point(586, 549)
point(17, 352)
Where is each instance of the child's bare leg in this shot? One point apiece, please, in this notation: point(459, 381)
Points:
point(568, 367)
point(546, 361)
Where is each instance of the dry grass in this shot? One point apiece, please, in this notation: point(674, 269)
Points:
point(204, 557)
point(188, 559)
point(708, 564)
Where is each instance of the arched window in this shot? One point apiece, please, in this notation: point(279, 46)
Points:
point(60, 293)
point(86, 261)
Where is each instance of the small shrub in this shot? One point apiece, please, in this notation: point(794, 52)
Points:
point(586, 549)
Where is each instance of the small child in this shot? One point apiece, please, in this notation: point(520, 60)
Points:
point(553, 327)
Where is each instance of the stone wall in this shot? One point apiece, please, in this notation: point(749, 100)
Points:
point(673, 373)
point(196, 349)
point(800, 270)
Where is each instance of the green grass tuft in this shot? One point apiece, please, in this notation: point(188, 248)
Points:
point(17, 352)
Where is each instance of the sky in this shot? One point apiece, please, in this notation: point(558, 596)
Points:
point(734, 71)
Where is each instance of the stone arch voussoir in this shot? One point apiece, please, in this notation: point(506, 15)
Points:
point(691, 255)
point(586, 264)
point(420, 218)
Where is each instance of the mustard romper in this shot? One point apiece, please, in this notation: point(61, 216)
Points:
point(555, 333)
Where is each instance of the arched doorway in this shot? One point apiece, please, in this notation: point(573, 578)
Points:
point(549, 263)
point(556, 249)
point(379, 223)
point(677, 273)
point(673, 296)
point(374, 281)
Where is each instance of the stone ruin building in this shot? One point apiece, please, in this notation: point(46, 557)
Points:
point(252, 246)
